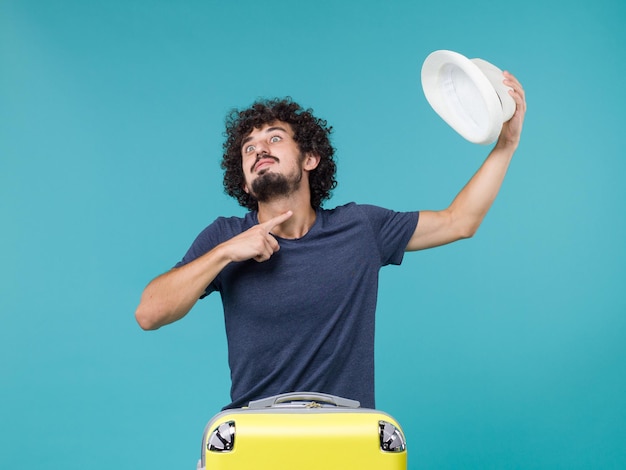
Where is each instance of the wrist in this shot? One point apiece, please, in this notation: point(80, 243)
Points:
point(506, 145)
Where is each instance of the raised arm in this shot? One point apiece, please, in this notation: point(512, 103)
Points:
point(468, 209)
point(170, 296)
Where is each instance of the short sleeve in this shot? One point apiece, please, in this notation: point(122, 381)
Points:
point(392, 231)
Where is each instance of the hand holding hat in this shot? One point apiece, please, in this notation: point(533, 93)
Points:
point(512, 129)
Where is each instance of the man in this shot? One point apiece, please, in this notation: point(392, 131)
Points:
point(298, 282)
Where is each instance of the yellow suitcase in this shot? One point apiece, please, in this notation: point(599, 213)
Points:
point(302, 431)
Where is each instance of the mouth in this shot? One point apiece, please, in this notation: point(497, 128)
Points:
point(262, 163)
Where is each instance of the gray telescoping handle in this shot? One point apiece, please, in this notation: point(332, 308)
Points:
point(304, 396)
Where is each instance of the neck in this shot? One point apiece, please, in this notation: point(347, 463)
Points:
point(297, 225)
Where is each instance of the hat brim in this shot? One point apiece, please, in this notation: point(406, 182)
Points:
point(467, 94)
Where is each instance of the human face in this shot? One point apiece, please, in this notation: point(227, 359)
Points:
point(272, 161)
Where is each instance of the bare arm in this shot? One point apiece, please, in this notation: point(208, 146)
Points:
point(468, 209)
point(170, 296)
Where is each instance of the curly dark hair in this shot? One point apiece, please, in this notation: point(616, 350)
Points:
point(310, 133)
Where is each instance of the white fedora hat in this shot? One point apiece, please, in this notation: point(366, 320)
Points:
point(468, 94)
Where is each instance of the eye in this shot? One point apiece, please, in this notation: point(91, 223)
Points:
point(248, 148)
point(275, 138)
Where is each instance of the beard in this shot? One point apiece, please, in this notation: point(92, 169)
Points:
point(270, 185)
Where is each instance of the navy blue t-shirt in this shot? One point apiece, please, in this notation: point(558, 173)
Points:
point(304, 319)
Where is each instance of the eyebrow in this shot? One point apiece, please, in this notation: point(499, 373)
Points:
point(268, 130)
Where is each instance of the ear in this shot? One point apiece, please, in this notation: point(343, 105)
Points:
point(311, 160)
point(245, 188)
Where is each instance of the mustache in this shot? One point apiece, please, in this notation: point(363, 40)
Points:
point(261, 157)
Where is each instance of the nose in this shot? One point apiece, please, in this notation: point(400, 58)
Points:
point(261, 148)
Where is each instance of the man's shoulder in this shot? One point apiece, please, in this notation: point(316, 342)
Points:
point(353, 209)
point(348, 208)
point(236, 223)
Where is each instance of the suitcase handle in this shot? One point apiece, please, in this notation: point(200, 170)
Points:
point(304, 396)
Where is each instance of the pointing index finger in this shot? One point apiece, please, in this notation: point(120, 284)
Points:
point(279, 219)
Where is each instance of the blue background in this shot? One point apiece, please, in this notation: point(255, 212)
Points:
point(504, 351)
